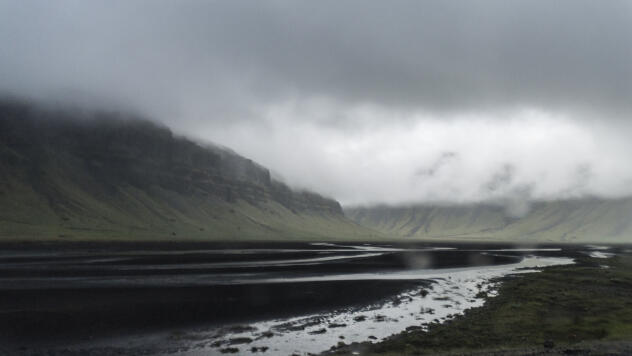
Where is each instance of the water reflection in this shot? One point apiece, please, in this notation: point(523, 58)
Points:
point(279, 298)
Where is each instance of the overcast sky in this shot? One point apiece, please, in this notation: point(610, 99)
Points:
point(364, 101)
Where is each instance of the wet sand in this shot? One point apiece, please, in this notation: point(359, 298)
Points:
point(578, 309)
point(120, 297)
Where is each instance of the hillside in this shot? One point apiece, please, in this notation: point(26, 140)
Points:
point(583, 220)
point(76, 175)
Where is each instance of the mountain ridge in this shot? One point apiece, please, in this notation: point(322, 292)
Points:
point(573, 220)
point(101, 175)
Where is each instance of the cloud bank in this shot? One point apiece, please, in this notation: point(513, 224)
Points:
point(397, 102)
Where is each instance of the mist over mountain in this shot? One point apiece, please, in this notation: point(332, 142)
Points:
point(578, 220)
point(76, 174)
point(482, 103)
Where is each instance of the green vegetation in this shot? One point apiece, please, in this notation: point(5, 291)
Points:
point(100, 176)
point(566, 308)
point(582, 220)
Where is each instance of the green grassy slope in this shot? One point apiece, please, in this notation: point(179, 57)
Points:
point(556, 221)
point(119, 179)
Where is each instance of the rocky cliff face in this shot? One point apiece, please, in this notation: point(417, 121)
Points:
point(79, 166)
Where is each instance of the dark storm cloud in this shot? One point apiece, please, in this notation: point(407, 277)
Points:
point(223, 59)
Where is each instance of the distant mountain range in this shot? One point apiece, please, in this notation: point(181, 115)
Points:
point(581, 220)
point(76, 175)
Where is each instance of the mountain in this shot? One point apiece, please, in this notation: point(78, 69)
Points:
point(580, 220)
point(77, 175)
point(87, 175)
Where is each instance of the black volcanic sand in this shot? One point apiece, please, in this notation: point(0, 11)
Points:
point(53, 295)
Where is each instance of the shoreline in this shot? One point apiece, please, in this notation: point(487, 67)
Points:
point(582, 309)
point(195, 319)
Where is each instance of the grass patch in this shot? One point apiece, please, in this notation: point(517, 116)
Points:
point(560, 307)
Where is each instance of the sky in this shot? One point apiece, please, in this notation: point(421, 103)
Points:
point(396, 102)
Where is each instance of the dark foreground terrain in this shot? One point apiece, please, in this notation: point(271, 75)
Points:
point(212, 298)
point(61, 293)
point(581, 309)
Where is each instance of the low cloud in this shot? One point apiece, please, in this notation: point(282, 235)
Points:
point(396, 102)
point(535, 156)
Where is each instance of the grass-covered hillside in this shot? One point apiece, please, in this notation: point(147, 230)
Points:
point(581, 220)
point(72, 175)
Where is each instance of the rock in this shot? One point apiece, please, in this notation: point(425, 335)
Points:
point(336, 325)
point(319, 331)
point(239, 341)
point(380, 318)
point(266, 334)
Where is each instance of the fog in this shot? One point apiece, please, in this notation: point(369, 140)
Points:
point(367, 102)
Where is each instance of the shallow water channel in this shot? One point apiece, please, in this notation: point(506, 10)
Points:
point(280, 299)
